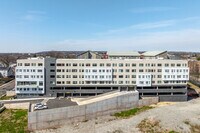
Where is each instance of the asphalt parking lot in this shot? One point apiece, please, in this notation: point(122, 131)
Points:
point(58, 103)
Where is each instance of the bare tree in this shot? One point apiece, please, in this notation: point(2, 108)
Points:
point(7, 59)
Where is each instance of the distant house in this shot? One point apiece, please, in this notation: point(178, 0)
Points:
point(154, 55)
point(123, 55)
point(89, 55)
point(6, 72)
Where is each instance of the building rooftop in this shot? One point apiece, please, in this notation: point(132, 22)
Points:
point(153, 53)
point(130, 53)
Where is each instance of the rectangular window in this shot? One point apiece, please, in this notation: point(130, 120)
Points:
point(52, 76)
point(74, 64)
point(94, 64)
point(60, 64)
point(39, 70)
point(40, 83)
point(52, 70)
point(52, 64)
point(40, 64)
point(133, 65)
point(27, 64)
point(141, 65)
point(33, 64)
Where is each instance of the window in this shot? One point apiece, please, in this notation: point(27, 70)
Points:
point(121, 70)
point(127, 70)
point(52, 76)
point(27, 64)
point(141, 65)
point(94, 64)
point(133, 76)
point(178, 65)
point(101, 64)
point(52, 64)
point(68, 64)
point(33, 64)
point(120, 76)
point(127, 64)
point(173, 65)
point(120, 64)
point(74, 82)
point(58, 70)
point(159, 70)
point(40, 64)
point(159, 76)
point(52, 70)
point(60, 64)
point(74, 64)
point(159, 65)
point(40, 83)
point(75, 76)
point(87, 64)
point(39, 70)
point(19, 64)
point(114, 64)
point(74, 70)
point(166, 65)
point(26, 76)
point(133, 65)
point(108, 64)
point(141, 70)
point(133, 70)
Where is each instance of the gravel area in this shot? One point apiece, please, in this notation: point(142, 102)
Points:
point(171, 117)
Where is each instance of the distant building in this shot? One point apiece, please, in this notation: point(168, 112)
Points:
point(6, 72)
point(154, 55)
point(123, 55)
point(89, 55)
point(194, 67)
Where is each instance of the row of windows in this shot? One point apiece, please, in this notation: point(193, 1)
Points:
point(102, 70)
point(95, 82)
point(30, 89)
point(29, 70)
point(26, 83)
point(176, 70)
point(29, 76)
point(29, 64)
point(114, 76)
point(123, 64)
point(174, 76)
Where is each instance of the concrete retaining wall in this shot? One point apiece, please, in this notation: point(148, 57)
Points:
point(60, 116)
point(10, 93)
point(17, 105)
point(148, 101)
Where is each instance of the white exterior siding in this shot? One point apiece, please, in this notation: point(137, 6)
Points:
point(30, 79)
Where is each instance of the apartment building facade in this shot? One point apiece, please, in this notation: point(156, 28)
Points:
point(86, 77)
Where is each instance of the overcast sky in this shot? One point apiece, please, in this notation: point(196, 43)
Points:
point(112, 25)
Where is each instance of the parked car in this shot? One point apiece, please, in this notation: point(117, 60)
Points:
point(40, 106)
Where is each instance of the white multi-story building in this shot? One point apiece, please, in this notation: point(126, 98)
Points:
point(84, 77)
point(30, 76)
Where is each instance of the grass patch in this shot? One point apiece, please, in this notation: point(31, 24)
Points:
point(152, 126)
point(13, 121)
point(6, 97)
point(132, 112)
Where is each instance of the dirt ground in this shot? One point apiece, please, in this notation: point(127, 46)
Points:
point(183, 117)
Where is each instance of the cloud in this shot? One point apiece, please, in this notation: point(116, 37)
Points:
point(141, 26)
point(147, 26)
point(34, 16)
point(151, 9)
point(185, 40)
